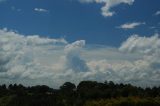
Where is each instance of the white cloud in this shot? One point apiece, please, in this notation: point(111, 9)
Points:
point(149, 47)
point(131, 25)
point(157, 13)
point(108, 5)
point(23, 57)
point(74, 61)
point(40, 10)
point(34, 60)
point(144, 45)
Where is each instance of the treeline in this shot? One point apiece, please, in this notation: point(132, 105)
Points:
point(86, 93)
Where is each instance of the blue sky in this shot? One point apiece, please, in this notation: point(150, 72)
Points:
point(53, 41)
point(75, 20)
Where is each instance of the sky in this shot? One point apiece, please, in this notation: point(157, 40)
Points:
point(53, 41)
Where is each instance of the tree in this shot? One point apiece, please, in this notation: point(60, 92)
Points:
point(68, 86)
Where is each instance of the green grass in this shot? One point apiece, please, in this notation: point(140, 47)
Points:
point(5, 100)
point(130, 101)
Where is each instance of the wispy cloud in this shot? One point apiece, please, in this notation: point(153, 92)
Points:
point(131, 25)
point(108, 4)
point(157, 13)
point(15, 9)
point(40, 10)
point(2, 0)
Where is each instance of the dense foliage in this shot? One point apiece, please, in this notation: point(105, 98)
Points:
point(87, 93)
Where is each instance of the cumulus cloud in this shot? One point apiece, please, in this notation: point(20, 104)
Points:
point(144, 45)
point(108, 5)
point(157, 13)
point(149, 47)
point(74, 61)
point(31, 59)
point(23, 57)
point(131, 25)
point(40, 10)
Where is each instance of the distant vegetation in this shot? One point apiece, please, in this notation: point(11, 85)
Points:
point(87, 93)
